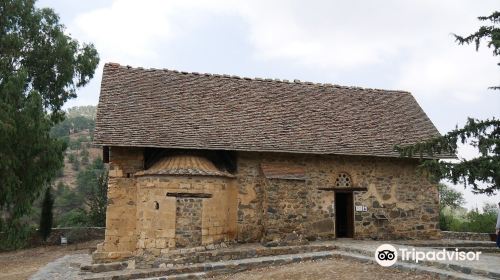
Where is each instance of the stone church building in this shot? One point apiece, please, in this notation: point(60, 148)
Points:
point(199, 159)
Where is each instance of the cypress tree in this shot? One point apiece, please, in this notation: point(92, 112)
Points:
point(46, 217)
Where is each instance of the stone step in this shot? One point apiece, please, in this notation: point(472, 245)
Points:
point(210, 269)
point(464, 268)
point(246, 251)
point(448, 243)
point(206, 270)
point(494, 250)
point(104, 267)
point(188, 256)
point(198, 275)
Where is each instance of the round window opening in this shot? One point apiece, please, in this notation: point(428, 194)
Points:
point(343, 180)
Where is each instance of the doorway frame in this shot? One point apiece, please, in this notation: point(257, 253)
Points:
point(350, 214)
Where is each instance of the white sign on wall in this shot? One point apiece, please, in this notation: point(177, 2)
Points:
point(361, 208)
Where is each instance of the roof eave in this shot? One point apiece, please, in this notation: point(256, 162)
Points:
point(274, 151)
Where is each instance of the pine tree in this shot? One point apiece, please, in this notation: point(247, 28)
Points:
point(46, 216)
point(483, 172)
point(490, 33)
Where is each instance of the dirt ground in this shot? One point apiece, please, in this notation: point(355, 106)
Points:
point(333, 269)
point(22, 264)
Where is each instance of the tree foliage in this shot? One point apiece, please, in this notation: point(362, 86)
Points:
point(40, 69)
point(92, 184)
point(97, 200)
point(34, 41)
point(449, 197)
point(483, 172)
point(88, 112)
point(30, 158)
point(449, 201)
point(86, 204)
point(471, 221)
point(72, 124)
point(46, 216)
point(490, 33)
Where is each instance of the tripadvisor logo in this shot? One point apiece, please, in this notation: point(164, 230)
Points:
point(387, 255)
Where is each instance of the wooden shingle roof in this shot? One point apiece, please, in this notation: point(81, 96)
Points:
point(171, 109)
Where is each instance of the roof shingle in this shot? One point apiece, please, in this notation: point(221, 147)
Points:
point(172, 109)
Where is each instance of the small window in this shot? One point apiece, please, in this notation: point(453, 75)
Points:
point(343, 180)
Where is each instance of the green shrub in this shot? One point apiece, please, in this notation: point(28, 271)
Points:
point(84, 154)
point(76, 165)
point(471, 221)
point(71, 158)
point(73, 218)
point(75, 144)
point(15, 236)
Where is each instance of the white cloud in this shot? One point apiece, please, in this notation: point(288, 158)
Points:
point(454, 72)
point(125, 29)
point(321, 34)
point(329, 34)
point(409, 40)
point(415, 37)
point(137, 31)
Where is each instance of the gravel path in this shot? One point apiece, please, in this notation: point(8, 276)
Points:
point(21, 264)
point(67, 267)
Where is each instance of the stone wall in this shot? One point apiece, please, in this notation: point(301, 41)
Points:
point(395, 189)
point(158, 214)
point(188, 222)
point(286, 208)
point(146, 216)
point(73, 235)
point(473, 236)
point(121, 237)
point(250, 184)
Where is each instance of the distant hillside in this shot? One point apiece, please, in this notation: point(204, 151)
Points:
point(82, 111)
point(78, 131)
point(77, 183)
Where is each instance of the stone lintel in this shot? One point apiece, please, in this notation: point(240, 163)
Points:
point(344, 189)
point(186, 194)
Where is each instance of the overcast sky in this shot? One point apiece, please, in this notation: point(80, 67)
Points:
point(405, 45)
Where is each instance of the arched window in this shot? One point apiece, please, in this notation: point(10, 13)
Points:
point(343, 180)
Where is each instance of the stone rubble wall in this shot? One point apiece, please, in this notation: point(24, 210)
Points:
point(395, 187)
point(73, 235)
point(286, 209)
point(473, 236)
point(250, 184)
point(188, 222)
